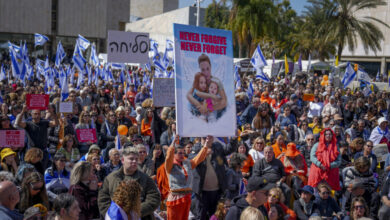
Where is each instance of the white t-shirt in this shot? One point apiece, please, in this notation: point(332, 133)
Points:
point(256, 155)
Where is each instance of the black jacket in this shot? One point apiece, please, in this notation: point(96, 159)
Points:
point(301, 215)
point(218, 160)
point(239, 203)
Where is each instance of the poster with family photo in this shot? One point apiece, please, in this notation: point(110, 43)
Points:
point(204, 82)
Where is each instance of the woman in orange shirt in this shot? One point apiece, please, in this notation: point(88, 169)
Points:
point(279, 146)
point(246, 169)
point(146, 129)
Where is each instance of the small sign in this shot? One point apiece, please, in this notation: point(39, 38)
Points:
point(308, 97)
point(12, 138)
point(163, 92)
point(86, 135)
point(127, 47)
point(66, 107)
point(37, 101)
point(380, 151)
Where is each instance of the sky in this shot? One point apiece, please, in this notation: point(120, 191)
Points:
point(297, 5)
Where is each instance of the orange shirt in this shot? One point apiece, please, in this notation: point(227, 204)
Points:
point(293, 215)
point(146, 127)
point(248, 163)
point(277, 150)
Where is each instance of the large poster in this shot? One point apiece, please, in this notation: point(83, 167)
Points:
point(204, 82)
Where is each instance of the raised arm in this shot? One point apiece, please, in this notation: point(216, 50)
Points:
point(170, 155)
point(205, 95)
point(19, 121)
point(54, 122)
point(202, 153)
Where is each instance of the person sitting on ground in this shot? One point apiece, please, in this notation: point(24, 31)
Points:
point(327, 205)
point(9, 198)
point(276, 196)
point(8, 160)
point(114, 163)
point(33, 192)
point(305, 207)
point(57, 177)
point(66, 207)
point(234, 175)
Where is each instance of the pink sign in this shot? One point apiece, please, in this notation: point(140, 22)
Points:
point(86, 135)
point(37, 101)
point(12, 138)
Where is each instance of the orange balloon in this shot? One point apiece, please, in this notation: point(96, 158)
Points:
point(325, 77)
point(122, 129)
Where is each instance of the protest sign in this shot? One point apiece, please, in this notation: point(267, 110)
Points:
point(163, 92)
point(66, 107)
point(127, 47)
point(37, 101)
point(308, 97)
point(380, 151)
point(86, 135)
point(12, 138)
point(204, 84)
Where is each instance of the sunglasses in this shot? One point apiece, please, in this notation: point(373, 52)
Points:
point(35, 188)
point(274, 196)
point(259, 142)
point(369, 145)
point(325, 193)
point(358, 207)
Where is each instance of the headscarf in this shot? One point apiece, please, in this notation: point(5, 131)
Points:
point(327, 152)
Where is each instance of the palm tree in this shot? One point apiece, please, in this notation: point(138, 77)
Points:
point(343, 25)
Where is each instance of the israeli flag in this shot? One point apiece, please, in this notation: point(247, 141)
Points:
point(94, 60)
point(363, 76)
point(40, 39)
point(122, 77)
point(3, 76)
point(169, 46)
point(83, 42)
point(237, 77)
point(30, 71)
point(250, 90)
point(71, 73)
point(261, 75)
point(80, 79)
point(300, 62)
point(258, 60)
point(118, 141)
point(378, 76)
point(165, 60)
point(78, 58)
point(148, 67)
point(242, 188)
point(349, 75)
point(117, 66)
point(14, 61)
point(89, 73)
point(64, 88)
point(115, 212)
point(60, 55)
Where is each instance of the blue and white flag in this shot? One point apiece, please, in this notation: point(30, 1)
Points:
point(115, 212)
point(261, 75)
point(122, 77)
point(30, 72)
point(40, 39)
point(60, 55)
point(250, 90)
point(349, 75)
point(147, 66)
point(363, 76)
point(80, 80)
point(169, 46)
point(378, 76)
point(242, 188)
point(94, 60)
point(165, 60)
point(64, 88)
point(309, 64)
point(118, 141)
point(78, 58)
point(3, 76)
point(15, 64)
point(83, 42)
point(117, 66)
point(89, 73)
point(237, 77)
point(258, 60)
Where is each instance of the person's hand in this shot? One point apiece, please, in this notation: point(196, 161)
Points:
point(98, 167)
point(283, 179)
point(209, 141)
point(202, 109)
point(388, 168)
point(245, 181)
point(154, 154)
point(24, 110)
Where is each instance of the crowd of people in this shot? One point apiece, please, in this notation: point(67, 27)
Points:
point(293, 157)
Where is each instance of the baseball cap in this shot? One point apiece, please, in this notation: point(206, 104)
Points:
point(258, 183)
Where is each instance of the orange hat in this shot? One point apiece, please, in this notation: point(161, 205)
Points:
point(292, 150)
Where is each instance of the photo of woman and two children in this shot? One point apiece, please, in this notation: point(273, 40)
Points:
point(207, 97)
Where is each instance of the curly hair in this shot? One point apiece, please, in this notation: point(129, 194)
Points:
point(279, 192)
point(354, 144)
point(33, 153)
point(127, 195)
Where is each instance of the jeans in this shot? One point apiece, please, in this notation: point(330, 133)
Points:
point(205, 204)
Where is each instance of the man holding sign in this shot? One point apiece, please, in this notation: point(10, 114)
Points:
point(37, 128)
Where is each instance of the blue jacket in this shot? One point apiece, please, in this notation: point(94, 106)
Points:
point(248, 115)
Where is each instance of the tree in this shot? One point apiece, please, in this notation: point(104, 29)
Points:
point(343, 24)
point(217, 15)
